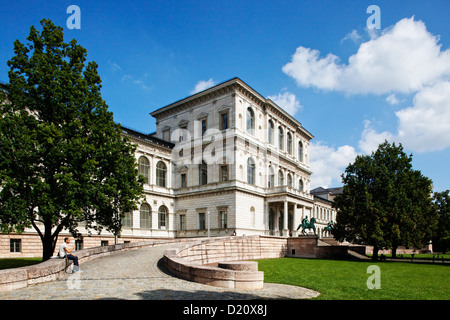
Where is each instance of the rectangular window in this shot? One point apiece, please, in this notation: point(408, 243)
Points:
point(183, 180)
point(78, 244)
point(166, 135)
point(15, 245)
point(183, 133)
point(201, 221)
point(182, 225)
point(223, 219)
point(203, 173)
point(204, 127)
point(224, 121)
point(104, 243)
point(224, 172)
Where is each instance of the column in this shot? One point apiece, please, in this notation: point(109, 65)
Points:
point(295, 222)
point(285, 220)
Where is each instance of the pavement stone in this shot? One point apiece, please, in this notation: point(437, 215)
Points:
point(139, 275)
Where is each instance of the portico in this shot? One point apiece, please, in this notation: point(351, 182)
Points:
point(285, 212)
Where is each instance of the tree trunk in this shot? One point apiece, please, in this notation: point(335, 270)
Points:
point(394, 252)
point(47, 248)
point(48, 242)
point(375, 253)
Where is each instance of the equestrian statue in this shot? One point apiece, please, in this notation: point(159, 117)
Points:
point(307, 225)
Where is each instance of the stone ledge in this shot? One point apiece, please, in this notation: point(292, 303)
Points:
point(239, 265)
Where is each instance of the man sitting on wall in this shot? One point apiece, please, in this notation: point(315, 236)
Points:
point(64, 250)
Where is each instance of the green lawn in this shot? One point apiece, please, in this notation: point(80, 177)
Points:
point(338, 279)
point(18, 262)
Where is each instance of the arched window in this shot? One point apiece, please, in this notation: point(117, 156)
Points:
point(300, 185)
point(289, 143)
point(250, 171)
point(280, 138)
point(127, 220)
point(300, 151)
point(280, 178)
point(145, 218)
point(250, 121)
point(144, 168)
point(280, 220)
point(270, 129)
point(162, 217)
point(161, 170)
point(289, 180)
point(271, 221)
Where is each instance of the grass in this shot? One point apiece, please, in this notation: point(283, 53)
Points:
point(18, 262)
point(347, 280)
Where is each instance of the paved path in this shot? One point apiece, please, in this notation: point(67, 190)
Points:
point(138, 275)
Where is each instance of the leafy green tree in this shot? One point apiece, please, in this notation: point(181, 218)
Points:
point(63, 159)
point(385, 203)
point(441, 241)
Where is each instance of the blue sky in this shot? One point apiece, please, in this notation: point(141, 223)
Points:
point(351, 87)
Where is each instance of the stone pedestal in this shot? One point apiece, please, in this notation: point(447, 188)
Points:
point(302, 246)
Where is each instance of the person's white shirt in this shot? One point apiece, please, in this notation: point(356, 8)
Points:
point(62, 250)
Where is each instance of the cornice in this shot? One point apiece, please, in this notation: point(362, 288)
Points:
point(234, 85)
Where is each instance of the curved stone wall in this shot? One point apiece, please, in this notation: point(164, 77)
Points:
point(204, 261)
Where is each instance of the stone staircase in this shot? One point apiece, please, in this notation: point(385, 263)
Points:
point(357, 255)
point(333, 242)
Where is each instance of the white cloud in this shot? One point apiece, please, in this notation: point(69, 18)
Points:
point(288, 101)
point(392, 99)
point(327, 164)
point(309, 70)
point(203, 85)
point(425, 126)
point(403, 58)
point(114, 66)
point(138, 82)
point(371, 139)
point(354, 36)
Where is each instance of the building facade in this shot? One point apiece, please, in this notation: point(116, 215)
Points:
point(223, 161)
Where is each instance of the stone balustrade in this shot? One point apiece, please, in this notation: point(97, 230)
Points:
point(219, 261)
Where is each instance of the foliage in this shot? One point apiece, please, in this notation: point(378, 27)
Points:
point(9, 263)
point(385, 203)
point(63, 160)
point(441, 241)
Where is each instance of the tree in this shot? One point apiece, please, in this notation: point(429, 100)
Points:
point(441, 241)
point(63, 159)
point(385, 203)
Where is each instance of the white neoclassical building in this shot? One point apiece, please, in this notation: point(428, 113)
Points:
point(222, 161)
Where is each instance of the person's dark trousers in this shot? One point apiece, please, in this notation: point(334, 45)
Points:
point(74, 258)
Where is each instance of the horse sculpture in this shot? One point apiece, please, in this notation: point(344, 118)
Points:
point(329, 227)
point(307, 225)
